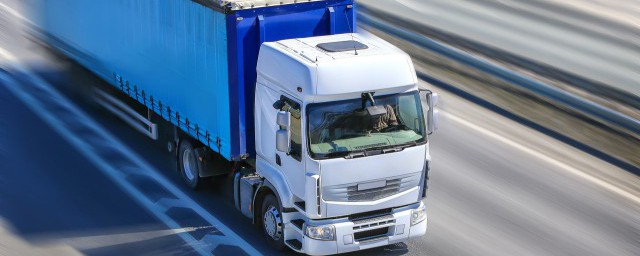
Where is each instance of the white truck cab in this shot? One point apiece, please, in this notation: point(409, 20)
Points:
point(342, 142)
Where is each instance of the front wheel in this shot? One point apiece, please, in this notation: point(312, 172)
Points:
point(272, 225)
point(188, 165)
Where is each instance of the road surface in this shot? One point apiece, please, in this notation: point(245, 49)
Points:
point(497, 187)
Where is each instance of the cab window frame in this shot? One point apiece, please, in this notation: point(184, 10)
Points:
point(295, 149)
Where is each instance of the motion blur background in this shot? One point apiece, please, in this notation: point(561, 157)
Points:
point(538, 152)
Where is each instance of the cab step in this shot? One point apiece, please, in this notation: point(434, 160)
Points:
point(298, 224)
point(301, 206)
point(294, 244)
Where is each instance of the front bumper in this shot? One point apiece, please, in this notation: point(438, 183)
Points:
point(366, 233)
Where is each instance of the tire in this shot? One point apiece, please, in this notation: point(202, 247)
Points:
point(189, 166)
point(271, 222)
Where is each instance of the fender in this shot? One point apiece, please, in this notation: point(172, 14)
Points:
point(276, 182)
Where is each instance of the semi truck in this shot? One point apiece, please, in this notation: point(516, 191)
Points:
point(324, 132)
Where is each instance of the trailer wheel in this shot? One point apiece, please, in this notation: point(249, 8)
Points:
point(188, 165)
point(272, 224)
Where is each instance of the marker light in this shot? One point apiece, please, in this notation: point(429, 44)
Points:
point(418, 215)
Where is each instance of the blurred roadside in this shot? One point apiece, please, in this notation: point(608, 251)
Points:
point(597, 137)
point(598, 41)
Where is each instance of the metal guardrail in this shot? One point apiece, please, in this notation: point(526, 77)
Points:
point(544, 90)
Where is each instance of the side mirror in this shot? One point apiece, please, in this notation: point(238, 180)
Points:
point(282, 141)
point(433, 115)
point(283, 119)
point(434, 99)
point(435, 119)
point(282, 135)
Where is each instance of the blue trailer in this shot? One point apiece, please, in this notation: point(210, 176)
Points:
point(193, 62)
point(323, 130)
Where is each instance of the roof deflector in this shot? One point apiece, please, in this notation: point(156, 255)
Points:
point(343, 46)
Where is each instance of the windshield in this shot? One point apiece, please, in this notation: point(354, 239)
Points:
point(340, 129)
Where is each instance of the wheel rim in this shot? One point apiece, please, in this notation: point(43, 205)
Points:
point(273, 223)
point(189, 165)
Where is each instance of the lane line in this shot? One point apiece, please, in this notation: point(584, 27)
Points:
point(118, 176)
point(85, 243)
point(230, 237)
point(543, 157)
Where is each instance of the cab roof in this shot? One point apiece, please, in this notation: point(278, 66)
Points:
point(302, 67)
point(316, 49)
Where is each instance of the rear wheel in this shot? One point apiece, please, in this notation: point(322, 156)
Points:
point(188, 165)
point(272, 224)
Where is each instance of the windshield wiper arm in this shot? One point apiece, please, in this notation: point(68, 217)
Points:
point(408, 144)
point(334, 154)
point(345, 154)
point(393, 148)
point(369, 151)
point(356, 154)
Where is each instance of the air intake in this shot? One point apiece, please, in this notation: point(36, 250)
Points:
point(351, 193)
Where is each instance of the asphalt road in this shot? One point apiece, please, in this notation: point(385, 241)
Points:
point(595, 39)
point(52, 194)
point(497, 187)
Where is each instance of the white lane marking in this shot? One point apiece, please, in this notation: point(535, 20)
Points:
point(544, 157)
point(13, 244)
point(85, 243)
point(230, 238)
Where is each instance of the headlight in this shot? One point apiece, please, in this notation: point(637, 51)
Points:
point(326, 233)
point(418, 215)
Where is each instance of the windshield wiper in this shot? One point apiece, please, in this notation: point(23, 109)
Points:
point(345, 154)
point(356, 154)
point(408, 144)
point(392, 148)
point(334, 154)
point(369, 151)
point(381, 150)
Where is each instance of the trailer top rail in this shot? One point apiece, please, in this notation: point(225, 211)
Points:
point(252, 4)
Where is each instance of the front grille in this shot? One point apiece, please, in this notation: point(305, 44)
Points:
point(370, 234)
point(358, 217)
point(350, 192)
point(374, 222)
point(392, 187)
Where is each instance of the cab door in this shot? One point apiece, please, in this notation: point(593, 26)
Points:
point(291, 163)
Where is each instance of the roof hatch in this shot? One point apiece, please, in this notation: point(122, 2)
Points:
point(343, 46)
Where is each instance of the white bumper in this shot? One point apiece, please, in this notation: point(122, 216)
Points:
point(353, 236)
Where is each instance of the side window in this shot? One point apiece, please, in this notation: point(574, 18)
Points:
point(296, 137)
point(408, 113)
point(295, 128)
